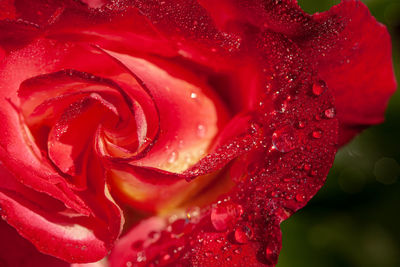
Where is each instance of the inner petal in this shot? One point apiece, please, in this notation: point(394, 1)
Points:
point(73, 132)
point(190, 115)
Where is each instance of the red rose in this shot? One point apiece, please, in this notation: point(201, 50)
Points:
point(197, 125)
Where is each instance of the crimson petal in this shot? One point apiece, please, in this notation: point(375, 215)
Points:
point(17, 251)
point(352, 53)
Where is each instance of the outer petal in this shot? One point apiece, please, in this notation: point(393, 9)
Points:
point(348, 47)
point(352, 53)
point(283, 16)
point(51, 227)
point(17, 251)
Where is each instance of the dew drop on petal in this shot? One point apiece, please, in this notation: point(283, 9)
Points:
point(224, 215)
point(237, 250)
point(285, 139)
point(313, 172)
point(141, 257)
point(270, 254)
point(301, 124)
point(193, 95)
point(166, 257)
point(307, 167)
point(300, 197)
point(317, 134)
point(154, 236)
point(330, 113)
point(319, 87)
point(243, 234)
point(193, 214)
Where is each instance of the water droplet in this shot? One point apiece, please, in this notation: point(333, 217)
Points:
point(237, 250)
point(285, 139)
point(319, 88)
point(229, 258)
point(128, 264)
point(330, 113)
point(282, 214)
point(219, 240)
point(154, 236)
point(300, 197)
point(243, 234)
point(317, 134)
point(193, 214)
point(193, 95)
point(254, 128)
point(307, 167)
point(224, 215)
point(301, 124)
point(141, 257)
point(270, 255)
point(201, 130)
point(166, 257)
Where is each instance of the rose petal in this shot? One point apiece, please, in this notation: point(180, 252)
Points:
point(15, 34)
point(280, 174)
point(7, 10)
point(43, 12)
point(52, 228)
point(73, 134)
point(175, 98)
point(337, 43)
point(352, 53)
point(17, 251)
point(92, 220)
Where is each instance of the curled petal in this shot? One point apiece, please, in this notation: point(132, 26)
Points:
point(52, 228)
point(74, 223)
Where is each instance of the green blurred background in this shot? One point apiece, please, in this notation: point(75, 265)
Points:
point(355, 219)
